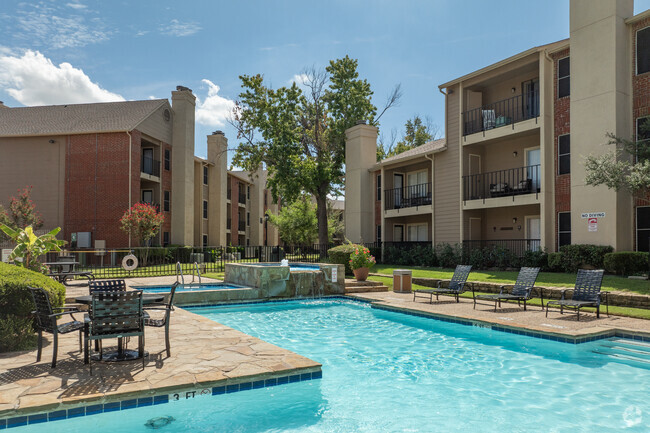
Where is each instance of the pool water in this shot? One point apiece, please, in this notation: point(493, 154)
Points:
point(387, 372)
point(188, 287)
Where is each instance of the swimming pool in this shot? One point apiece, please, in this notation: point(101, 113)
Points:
point(386, 371)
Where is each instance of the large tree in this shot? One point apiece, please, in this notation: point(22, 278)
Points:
point(297, 223)
point(300, 136)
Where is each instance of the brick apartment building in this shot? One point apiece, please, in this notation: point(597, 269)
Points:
point(510, 170)
point(88, 163)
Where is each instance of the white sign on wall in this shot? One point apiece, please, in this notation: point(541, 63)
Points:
point(335, 274)
point(592, 215)
point(592, 224)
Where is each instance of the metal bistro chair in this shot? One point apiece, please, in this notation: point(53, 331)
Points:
point(164, 321)
point(46, 321)
point(106, 286)
point(115, 315)
point(585, 294)
point(521, 291)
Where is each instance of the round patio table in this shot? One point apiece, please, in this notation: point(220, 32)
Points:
point(120, 354)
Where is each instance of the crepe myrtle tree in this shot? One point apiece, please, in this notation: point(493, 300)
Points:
point(299, 135)
point(143, 222)
point(21, 213)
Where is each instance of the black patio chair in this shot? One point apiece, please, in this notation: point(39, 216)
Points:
point(115, 315)
point(585, 294)
point(521, 291)
point(46, 321)
point(456, 286)
point(106, 286)
point(164, 320)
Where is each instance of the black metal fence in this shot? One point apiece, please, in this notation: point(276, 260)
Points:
point(408, 196)
point(501, 113)
point(502, 183)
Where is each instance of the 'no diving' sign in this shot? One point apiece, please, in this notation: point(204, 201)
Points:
point(592, 224)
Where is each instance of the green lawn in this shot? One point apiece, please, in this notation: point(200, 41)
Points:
point(545, 279)
point(616, 311)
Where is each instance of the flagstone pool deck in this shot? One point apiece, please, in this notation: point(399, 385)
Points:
point(207, 354)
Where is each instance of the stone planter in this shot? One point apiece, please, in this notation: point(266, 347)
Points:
point(361, 274)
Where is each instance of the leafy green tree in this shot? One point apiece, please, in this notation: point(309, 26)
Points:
point(298, 225)
point(625, 168)
point(22, 213)
point(300, 136)
point(142, 221)
point(30, 247)
point(416, 132)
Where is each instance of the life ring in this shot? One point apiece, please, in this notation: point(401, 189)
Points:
point(129, 258)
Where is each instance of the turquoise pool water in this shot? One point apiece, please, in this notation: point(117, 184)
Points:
point(389, 372)
point(188, 287)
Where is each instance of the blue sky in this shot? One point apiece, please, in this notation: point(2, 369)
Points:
point(72, 51)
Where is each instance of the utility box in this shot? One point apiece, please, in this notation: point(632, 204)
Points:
point(402, 280)
point(83, 239)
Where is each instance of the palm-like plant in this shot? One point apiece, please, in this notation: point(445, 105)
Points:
point(29, 246)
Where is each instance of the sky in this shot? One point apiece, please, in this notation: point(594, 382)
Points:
point(81, 51)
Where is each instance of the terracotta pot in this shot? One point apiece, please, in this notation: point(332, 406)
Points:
point(361, 274)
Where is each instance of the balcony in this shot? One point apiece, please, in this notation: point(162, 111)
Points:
point(228, 194)
point(150, 166)
point(502, 183)
point(242, 198)
point(408, 196)
point(501, 113)
point(242, 226)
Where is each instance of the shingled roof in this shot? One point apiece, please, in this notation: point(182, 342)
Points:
point(76, 118)
point(428, 147)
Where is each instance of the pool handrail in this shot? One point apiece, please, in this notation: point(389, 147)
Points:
point(198, 272)
point(179, 271)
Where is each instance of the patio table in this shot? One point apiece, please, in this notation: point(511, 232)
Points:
point(120, 354)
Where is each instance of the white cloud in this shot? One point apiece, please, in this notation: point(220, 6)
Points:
point(34, 80)
point(44, 25)
point(215, 110)
point(299, 79)
point(178, 28)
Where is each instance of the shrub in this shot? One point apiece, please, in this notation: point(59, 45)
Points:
point(341, 255)
point(577, 256)
point(626, 262)
point(535, 259)
point(449, 255)
point(16, 302)
point(16, 333)
point(554, 261)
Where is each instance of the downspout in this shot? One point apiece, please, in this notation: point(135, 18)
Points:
point(433, 201)
point(130, 175)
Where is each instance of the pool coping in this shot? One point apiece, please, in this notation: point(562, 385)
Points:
point(129, 400)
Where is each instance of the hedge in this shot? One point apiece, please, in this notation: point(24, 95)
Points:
point(626, 262)
point(341, 255)
point(16, 304)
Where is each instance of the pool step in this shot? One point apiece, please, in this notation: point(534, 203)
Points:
point(354, 286)
point(625, 350)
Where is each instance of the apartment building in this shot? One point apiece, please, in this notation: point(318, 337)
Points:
point(510, 170)
point(88, 163)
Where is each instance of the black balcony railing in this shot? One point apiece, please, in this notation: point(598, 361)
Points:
point(242, 198)
point(242, 226)
point(228, 223)
point(408, 196)
point(517, 247)
point(229, 194)
point(502, 183)
point(150, 166)
point(501, 113)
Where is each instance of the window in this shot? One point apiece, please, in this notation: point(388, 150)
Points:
point(205, 209)
point(248, 192)
point(248, 242)
point(642, 228)
point(398, 233)
point(147, 196)
point(417, 184)
point(248, 218)
point(563, 78)
point(205, 175)
point(265, 199)
point(379, 187)
point(165, 239)
point(563, 228)
point(379, 233)
point(643, 51)
point(417, 233)
point(167, 159)
point(563, 154)
point(205, 241)
point(643, 138)
point(166, 201)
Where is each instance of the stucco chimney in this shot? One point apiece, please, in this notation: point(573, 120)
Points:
point(217, 187)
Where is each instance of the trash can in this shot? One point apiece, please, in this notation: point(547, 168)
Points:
point(402, 281)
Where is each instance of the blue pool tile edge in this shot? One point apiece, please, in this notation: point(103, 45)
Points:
point(130, 403)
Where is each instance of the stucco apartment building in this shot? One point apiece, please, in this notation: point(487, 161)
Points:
point(510, 170)
point(88, 163)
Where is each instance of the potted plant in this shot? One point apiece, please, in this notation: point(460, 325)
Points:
point(361, 261)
